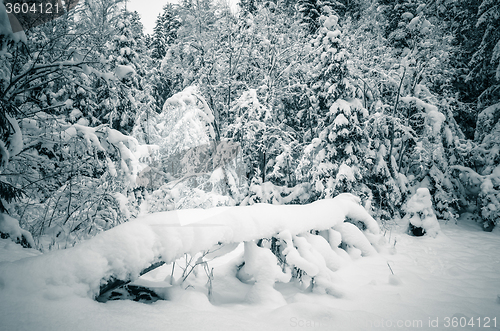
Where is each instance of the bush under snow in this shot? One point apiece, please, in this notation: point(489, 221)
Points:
point(420, 215)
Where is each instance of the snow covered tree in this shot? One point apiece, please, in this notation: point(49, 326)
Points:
point(77, 179)
point(412, 108)
point(34, 70)
point(186, 45)
point(11, 142)
point(406, 21)
point(67, 169)
point(10, 145)
point(119, 96)
point(186, 122)
point(480, 188)
point(420, 217)
point(334, 161)
point(310, 14)
point(261, 139)
point(328, 77)
point(198, 170)
point(387, 184)
point(248, 7)
point(424, 155)
point(485, 62)
point(490, 200)
point(165, 31)
point(311, 10)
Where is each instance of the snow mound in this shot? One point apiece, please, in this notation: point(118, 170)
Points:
point(420, 213)
point(262, 265)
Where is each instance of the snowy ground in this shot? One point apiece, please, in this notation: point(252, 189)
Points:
point(453, 278)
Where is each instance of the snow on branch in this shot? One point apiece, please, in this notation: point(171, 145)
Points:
point(9, 228)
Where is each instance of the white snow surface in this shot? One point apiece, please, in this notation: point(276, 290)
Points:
point(454, 275)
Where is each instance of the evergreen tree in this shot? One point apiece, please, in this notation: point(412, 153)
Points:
point(261, 139)
point(311, 10)
point(334, 161)
point(485, 62)
point(120, 96)
point(328, 77)
point(165, 31)
point(248, 7)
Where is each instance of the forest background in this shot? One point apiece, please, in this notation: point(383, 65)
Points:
point(283, 102)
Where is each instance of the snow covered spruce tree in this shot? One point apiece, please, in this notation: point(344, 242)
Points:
point(427, 141)
point(485, 76)
point(489, 158)
point(334, 161)
point(412, 122)
point(485, 62)
point(478, 179)
point(120, 95)
point(388, 186)
point(165, 31)
point(311, 11)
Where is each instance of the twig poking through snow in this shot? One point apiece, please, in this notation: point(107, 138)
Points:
point(390, 268)
point(172, 275)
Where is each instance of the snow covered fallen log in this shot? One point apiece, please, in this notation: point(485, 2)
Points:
point(126, 250)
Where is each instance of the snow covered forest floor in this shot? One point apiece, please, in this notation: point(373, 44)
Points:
point(451, 278)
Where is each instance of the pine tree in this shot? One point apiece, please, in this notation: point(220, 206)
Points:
point(248, 7)
point(165, 31)
point(311, 10)
point(120, 96)
point(334, 161)
point(485, 62)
